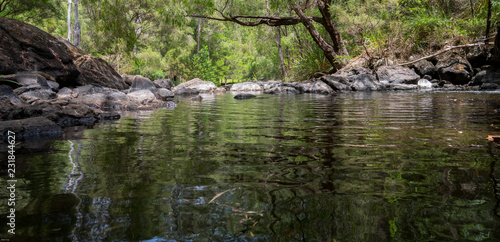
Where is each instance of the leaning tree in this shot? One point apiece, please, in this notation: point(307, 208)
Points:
point(231, 11)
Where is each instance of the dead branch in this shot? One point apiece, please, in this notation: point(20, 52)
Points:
point(441, 52)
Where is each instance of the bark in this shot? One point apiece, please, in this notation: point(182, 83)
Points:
point(69, 20)
point(327, 48)
point(77, 31)
point(488, 22)
point(331, 28)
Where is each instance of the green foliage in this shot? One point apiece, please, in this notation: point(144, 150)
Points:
point(151, 64)
point(29, 9)
point(206, 69)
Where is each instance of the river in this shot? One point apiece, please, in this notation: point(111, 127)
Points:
point(404, 166)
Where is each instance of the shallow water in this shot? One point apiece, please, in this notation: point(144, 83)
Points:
point(350, 167)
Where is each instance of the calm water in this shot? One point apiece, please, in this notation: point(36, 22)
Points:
point(350, 167)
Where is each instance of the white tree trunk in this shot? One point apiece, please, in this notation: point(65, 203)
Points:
point(77, 33)
point(69, 20)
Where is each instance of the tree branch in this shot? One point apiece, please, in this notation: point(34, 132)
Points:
point(441, 52)
point(262, 19)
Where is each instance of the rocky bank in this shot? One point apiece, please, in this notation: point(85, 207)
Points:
point(47, 84)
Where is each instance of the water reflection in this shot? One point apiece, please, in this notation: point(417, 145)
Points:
point(358, 166)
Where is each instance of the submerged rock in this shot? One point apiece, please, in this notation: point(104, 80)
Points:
point(241, 96)
point(36, 127)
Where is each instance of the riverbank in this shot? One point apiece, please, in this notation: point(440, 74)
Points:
point(49, 84)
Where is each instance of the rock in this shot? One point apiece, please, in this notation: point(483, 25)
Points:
point(196, 84)
point(397, 75)
point(36, 127)
point(424, 84)
point(164, 94)
point(246, 87)
point(270, 87)
point(65, 92)
point(54, 86)
point(427, 77)
point(6, 93)
point(142, 96)
point(477, 56)
point(363, 82)
point(354, 71)
point(26, 48)
point(488, 75)
point(141, 83)
point(241, 96)
point(287, 88)
point(39, 94)
point(96, 71)
point(454, 68)
point(489, 86)
point(90, 89)
point(424, 67)
point(186, 91)
point(314, 86)
point(28, 78)
point(220, 90)
point(337, 82)
point(402, 87)
point(164, 83)
point(197, 98)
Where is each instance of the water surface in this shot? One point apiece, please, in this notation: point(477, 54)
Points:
point(348, 167)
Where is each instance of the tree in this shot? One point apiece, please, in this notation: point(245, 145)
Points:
point(225, 9)
point(77, 31)
point(29, 8)
point(69, 20)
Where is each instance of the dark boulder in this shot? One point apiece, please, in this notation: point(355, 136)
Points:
point(397, 75)
point(337, 82)
point(424, 67)
point(488, 75)
point(6, 93)
point(24, 47)
point(96, 71)
point(164, 94)
point(314, 86)
point(364, 82)
point(141, 83)
point(36, 127)
point(454, 68)
point(241, 96)
point(164, 83)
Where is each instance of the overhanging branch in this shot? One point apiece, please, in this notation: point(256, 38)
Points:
point(267, 20)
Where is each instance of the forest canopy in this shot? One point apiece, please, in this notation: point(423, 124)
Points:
point(248, 40)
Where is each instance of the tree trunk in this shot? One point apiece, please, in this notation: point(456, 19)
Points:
point(488, 22)
point(199, 37)
point(331, 28)
point(327, 48)
point(69, 20)
point(77, 31)
point(280, 51)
